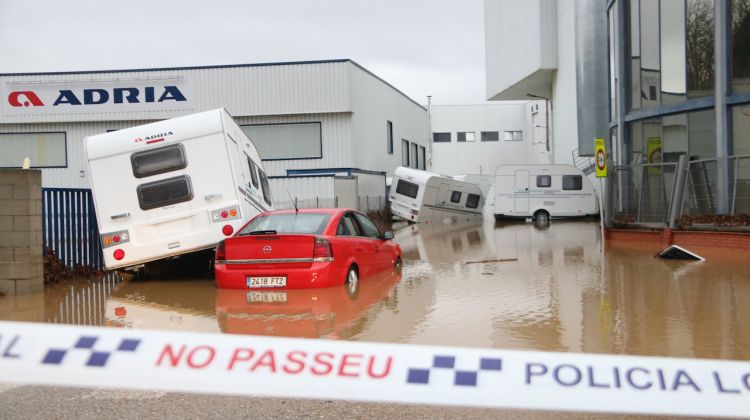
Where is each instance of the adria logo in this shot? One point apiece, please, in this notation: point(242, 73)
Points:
point(96, 96)
point(29, 99)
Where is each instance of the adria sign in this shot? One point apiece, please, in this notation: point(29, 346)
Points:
point(94, 98)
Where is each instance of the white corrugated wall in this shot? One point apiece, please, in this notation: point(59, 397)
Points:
point(243, 90)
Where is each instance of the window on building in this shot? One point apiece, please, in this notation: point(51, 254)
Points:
point(490, 136)
point(472, 201)
point(456, 197)
point(390, 137)
point(673, 59)
point(422, 157)
point(513, 135)
point(414, 155)
point(741, 133)
point(407, 188)
point(253, 174)
point(45, 150)
point(466, 136)
point(164, 192)
point(572, 182)
point(286, 141)
point(543, 181)
point(740, 45)
point(700, 48)
point(441, 137)
point(404, 153)
point(158, 161)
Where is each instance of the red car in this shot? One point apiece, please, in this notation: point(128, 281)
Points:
point(288, 249)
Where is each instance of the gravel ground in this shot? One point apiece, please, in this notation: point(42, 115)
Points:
point(36, 402)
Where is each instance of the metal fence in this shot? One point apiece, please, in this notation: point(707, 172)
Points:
point(642, 193)
point(69, 226)
point(364, 203)
point(85, 305)
point(683, 194)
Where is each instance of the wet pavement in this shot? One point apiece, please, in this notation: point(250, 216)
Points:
point(492, 285)
point(508, 286)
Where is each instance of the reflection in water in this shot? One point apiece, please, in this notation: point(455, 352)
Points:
point(504, 286)
point(326, 312)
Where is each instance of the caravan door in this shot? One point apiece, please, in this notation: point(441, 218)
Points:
point(442, 196)
point(522, 191)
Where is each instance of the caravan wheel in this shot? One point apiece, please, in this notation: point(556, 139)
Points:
point(541, 217)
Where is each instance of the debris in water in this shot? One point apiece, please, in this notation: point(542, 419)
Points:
point(675, 252)
point(491, 261)
point(2, 294)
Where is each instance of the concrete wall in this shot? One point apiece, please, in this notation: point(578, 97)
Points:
point(374, 104)
point(520, 47)
point(21, 267)
point(479, 157)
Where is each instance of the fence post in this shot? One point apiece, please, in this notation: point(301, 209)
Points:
point(317, 201)
point(678, 191)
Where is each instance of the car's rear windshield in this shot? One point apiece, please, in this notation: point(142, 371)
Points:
point(305, 223)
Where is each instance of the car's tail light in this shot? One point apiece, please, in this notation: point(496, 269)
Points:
point(415, 212)
point(227, 230)
point(221, 253)
point(119, 254)
point(322, 251)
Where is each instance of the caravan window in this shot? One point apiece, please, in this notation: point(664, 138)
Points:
point(165, 192)
point(456, 197)
point(253, 174)
point(266, 188)
point(407, 188)
point(572, 182)
point(543, 181)
point(158, 161)
point(472, 201)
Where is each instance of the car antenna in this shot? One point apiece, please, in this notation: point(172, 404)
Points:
point(294, 201)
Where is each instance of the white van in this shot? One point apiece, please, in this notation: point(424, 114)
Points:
point(543, 191)
point(421, 196)
point(173, 186)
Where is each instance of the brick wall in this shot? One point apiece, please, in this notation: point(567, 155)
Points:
point(21, 264)
point(687, 239)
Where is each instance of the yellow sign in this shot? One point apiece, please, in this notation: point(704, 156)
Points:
point(601, 158)
point(654, 155)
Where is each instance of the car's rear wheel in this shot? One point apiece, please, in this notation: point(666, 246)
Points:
point(398, 264)
point(352, 282)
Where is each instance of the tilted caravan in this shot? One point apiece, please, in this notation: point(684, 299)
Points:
point(173, 186)
point(420, 196)
point(543, 191)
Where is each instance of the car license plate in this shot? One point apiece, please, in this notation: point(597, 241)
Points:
point(266, 297)
point(266, 282)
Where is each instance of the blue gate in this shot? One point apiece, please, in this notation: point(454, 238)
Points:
point(69, 226)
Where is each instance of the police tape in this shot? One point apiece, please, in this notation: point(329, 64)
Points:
point(301, 368)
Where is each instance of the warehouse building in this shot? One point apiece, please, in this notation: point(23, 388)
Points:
point(666, 83)
point(475, 139)
point(329, 132)
point(323, 128)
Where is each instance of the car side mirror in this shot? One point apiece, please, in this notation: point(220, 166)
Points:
point(387, 235)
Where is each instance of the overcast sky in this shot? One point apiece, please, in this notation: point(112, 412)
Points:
point(423, 47)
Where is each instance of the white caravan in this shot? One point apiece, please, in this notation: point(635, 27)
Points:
point(420, 196)
point(543, 191)
point(173, 186)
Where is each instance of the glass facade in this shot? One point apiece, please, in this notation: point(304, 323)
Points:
point(740, 45)
point(672, 76)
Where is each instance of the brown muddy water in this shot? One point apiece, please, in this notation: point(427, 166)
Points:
point(508, 286)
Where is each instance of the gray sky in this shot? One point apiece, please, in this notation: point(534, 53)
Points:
point(422, 47)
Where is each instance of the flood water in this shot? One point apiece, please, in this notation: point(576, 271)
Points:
point(507, 286)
